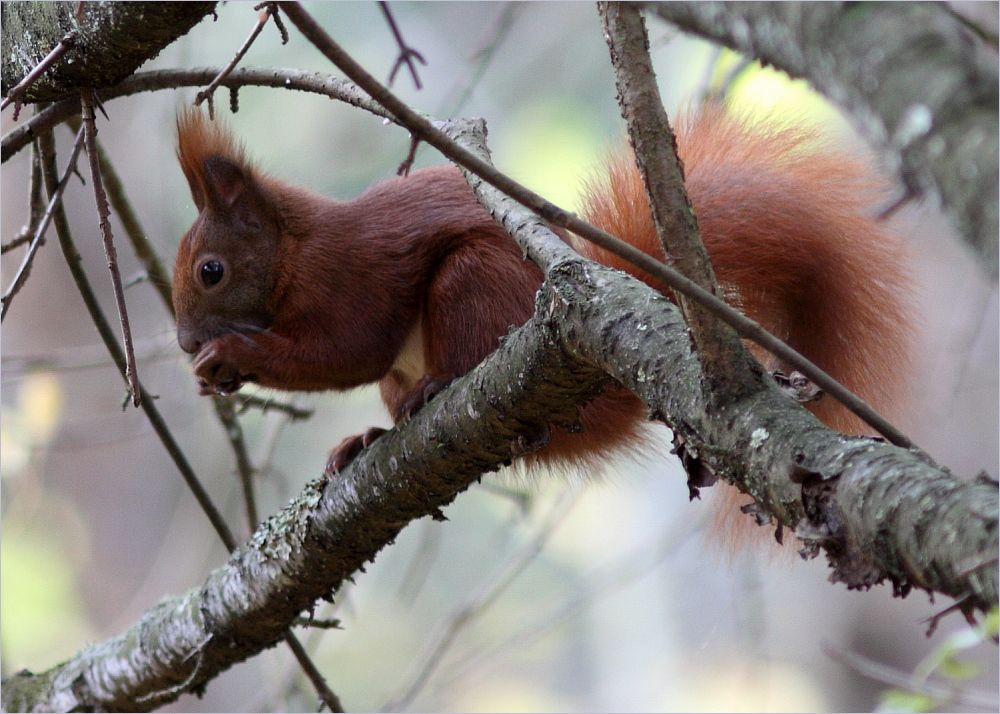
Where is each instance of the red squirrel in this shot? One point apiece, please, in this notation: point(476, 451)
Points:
point(412, 284)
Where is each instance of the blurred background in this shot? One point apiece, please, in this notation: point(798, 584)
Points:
point(553, 596)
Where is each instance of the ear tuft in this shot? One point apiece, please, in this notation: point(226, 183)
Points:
point(214, 164)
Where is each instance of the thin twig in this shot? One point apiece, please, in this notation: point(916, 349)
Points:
point(244, 466)
point(160, 279)
point(319, 623)
point(262, 17)
point(295, 79)
point(36, 206)
point(137, 236)
point(942, 694)
point(485, 55)
point(426, 131)
point(324, 692)
point(727, 362)
point(480, 601)
point(608, 579)
point(104, 213)
point(406, 53)
point(64, 45)
point(25, 268)
point(82, 358)
point(224, 408)
point(72, 256)
point(246, 401)
point(148, 405)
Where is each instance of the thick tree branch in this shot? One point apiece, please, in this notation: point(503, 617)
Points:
point(880, 512)
point(111, 40)
point(728, 364)
point(875, 508)
point(918, 85)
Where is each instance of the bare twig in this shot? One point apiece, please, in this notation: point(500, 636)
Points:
point(246, 401)
point(244, 466)
point(23, 236)
point(87, 100)
point(480, 601)
point(72, 256)
point(943, 694)
point(223, 407)
point(266, 10)
point(484, 55)
point(411, 155)
point(25, 268)
point(296, 79)
point(319, 623)
point(159, 277)
point(607, 579)
point(406, 53)
point(36, 206)
point(149, 407)
point(95, 356)
point(421, 127)
point(324, 692)
point(64, 45)
point(137, 236)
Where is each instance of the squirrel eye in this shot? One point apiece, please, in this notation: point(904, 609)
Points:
point(211, 273)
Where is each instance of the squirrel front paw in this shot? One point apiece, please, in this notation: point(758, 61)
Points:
point(346, 451)
point(215, 373)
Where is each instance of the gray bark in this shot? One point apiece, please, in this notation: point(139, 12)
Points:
point(878, 512)
point(861, 500)
point(112, 40)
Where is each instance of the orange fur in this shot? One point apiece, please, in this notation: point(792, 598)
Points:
point(412, 284)
point(788, 223)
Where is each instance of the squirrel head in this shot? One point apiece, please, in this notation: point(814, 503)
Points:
point(224, 272)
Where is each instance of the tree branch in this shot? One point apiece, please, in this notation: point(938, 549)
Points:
point(111, 40)
point(878, 511)
point(296, 79)
point(728, 364)
point(863, 499)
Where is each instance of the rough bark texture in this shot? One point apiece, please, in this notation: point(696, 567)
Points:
point(917, 83)
point(879, 512)
point(112, 40)
point(589, 320)
point(728, 363)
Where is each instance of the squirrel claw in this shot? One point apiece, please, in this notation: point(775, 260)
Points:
point(423, 391)
point(220, 389)
point(347, 450)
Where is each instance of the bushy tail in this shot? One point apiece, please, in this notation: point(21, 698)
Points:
point(789, 225)
point(788, 222)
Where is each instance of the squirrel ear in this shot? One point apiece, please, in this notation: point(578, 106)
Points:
point(229, 189)
point(220, 176)
point(225, 181)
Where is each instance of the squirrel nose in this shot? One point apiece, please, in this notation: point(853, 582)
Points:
point(188, 342)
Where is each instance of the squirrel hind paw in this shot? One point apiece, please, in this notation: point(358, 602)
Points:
point(347, 450)
point(423, 391)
